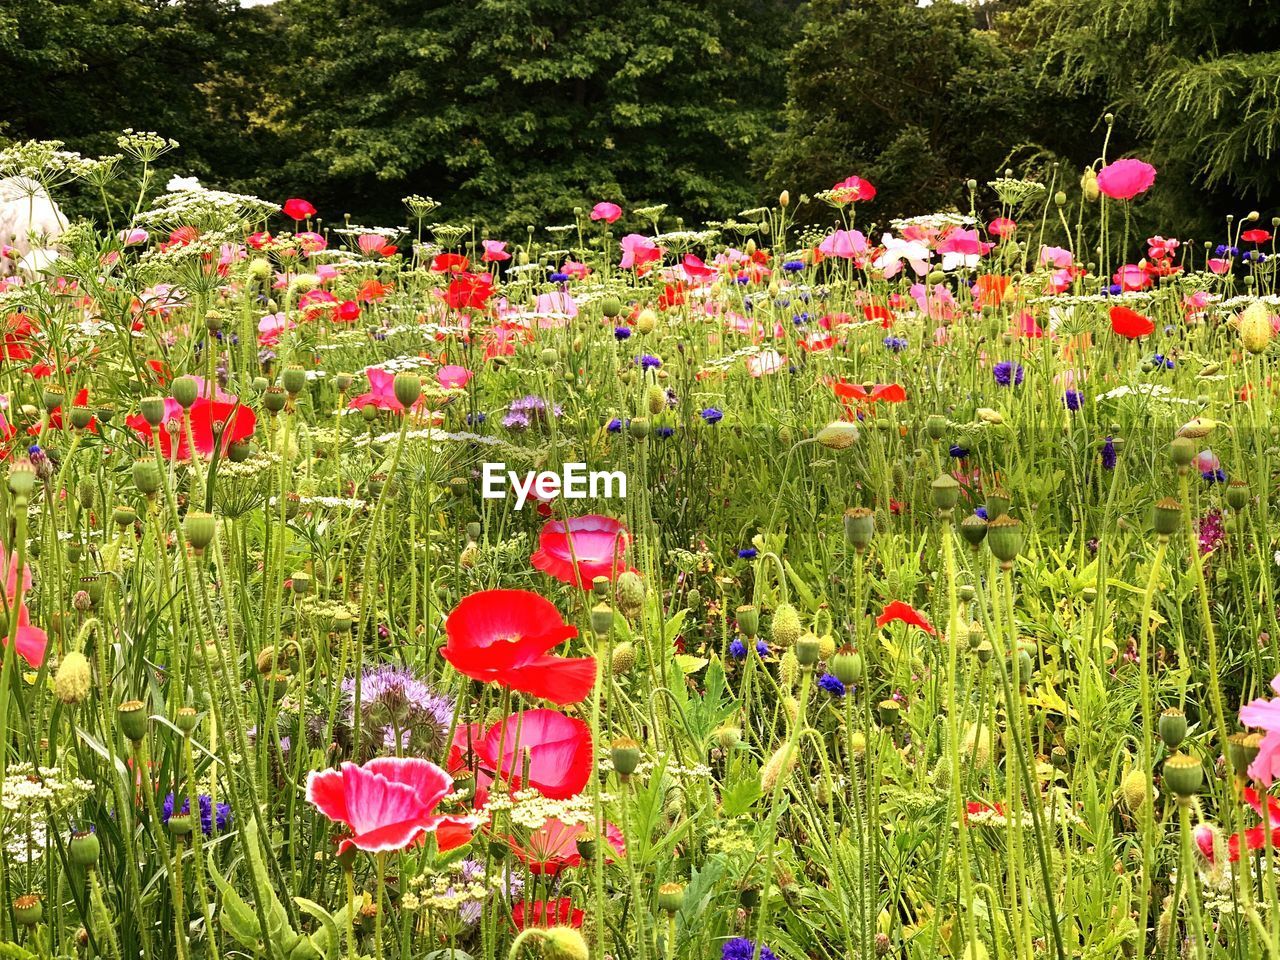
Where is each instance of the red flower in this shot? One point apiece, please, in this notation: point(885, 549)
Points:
point(470, 290)
point(871, 393)
point(502, 637)
point(578, 550)
point(298, 209)
point(450, 263)
point(559, 912)
point(219, 422)
point(556, 748)
point(990, 290)
point(1255, 838)
point(1001, 227)
point(387, 804)
point(554, 846)
point(853, 188)
point(1131, 324)
point(31, 643)
point(1255, 236)
point(904, 613)
point(348, 311)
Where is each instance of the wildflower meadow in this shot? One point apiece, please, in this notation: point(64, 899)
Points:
point(801, 584)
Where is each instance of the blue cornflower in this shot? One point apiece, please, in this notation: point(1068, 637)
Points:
point(762, 648)
point(621, 333)
point(738, 650)
point(1222, 250)
point(740, 948)
point(800, 319)
point(958, 451)
point(1073, 399)
point(648, 362)
point(1214, 476)
point(712, 415)
point(1162, 362)
point(748, 553)
point(209, 818)
point(614, 425)
point(477, 418)
point(664, 432)
point(896, 344)
point(1109, 454)
point(793, 266)
point(831, 683)
point(559, 277)
point(1112, 291)
point(981, 512)
point(1007, 372)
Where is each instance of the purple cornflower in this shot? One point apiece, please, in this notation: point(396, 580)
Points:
point(981, 512)
point(527, 410)
point(559, 277)
point(621, 333)
point(648, 362)
point(762, 648)
point(958, 451)
point(740, 948)
point(1073, 399)
point(896, 344)
point(712, 415)
point(614, 425)
point(747, 553)
point(738, 650)
point(663, 432)
point(1007, 372)
point(1214, 476)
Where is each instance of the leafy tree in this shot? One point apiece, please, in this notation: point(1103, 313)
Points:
point(516, 111)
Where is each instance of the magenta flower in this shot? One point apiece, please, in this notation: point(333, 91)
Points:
point(638, 250)
point(1125, 179)
point(495, 251)
point(845, 244)
point(1266, 715)
point(606, 211)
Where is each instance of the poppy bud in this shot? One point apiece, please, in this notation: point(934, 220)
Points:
point(655, 399)
point(73, 680)
point(859, 527)
point(624, 658)
point(408, 388)
point(1172, 727)
point(564, 943)
point(1005, 537)
point(838, 435)
point(1254, 325)
point(1060, 198)
point(638, 428)
point(786, 627)
point(1089, 185)
point(1133, 790)
point(728, 736)
point(936, 426)
point(808, 651)
point(343, 381)
point(601, 619)
point(646, 321)
point(185, 390)
point(611, 306)
point(28, 910)
point(966, 591)
point(1182, 450)
point(630, 593)
point(748, 620)
point(1237, 494)
point(1183, 775)
point(293, 379)
point(1167, 514)
point(945, 492)
point(239, 451)
point(132, 715)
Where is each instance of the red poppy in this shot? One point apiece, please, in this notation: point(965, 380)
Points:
point(851, 189)
point(1130, 323)
point(973, 808)
point(578, 550)
point(387, 804)
point(871, 393)
point(372, 290)
point(470, 290)
point(990, 290)
point(1255, 838)
point(502, 637)
point(18, 331)
point(1255, 236)
point(348, 311)
point(559, 912)
point(298, 209)
point(555, 748)
point(904, 613)
point(554, 846)
point(450, 263)
point(213, 422)
point(878, 311)
point(1001, 226)
point(55, 415)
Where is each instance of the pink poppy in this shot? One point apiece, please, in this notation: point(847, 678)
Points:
point(577, 550)
point(1219, 265)
point(371, 243)
point(1125, 179)
point(1162, 248)
point(851, 189)
point(556, 750)
point(554, 846)
point(694, 269)
point(31, 643)
point(133, 237)
point(298, 209)
point(575, 270)
point(606, 211)
point(311, 241)
point(382, 392)
point(1265, 714)
point(845, 244)
point(638, 250)
point(495, 251)
point(1001, 227)
point(765, 362)
point(1131, 276)
point(387, 804)
point(453, 377)
point(1058, 257)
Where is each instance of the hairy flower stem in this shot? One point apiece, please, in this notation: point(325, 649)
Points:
point(1148, 738)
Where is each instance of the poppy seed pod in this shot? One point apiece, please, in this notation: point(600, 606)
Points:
point(198, 528)
point(28, 910)
point(671, 897)
point(998, 503)
point(83, 848)
point(132, 715)
point(625, 754)
point(638, 428)
point(889, 712)
point(22, 478)
point(748, 620)
point(1005, 537)
point(186, 719)
point(1242, 750)
point(847, 666)
point(186, 391)
point(274, 399)
point(1237, 494)
point(945, 493)
point(1182, 450)
point(936, 426)
point(601, 619)
point(53, 397)
point(1183, 775)
point(1166, 516)
point(180, 825)
point(808, 651)
point(152, 410)
point(859, 527)
point(1172, 727)
point(80, 416)
point(146, 475)
point(293, 379)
